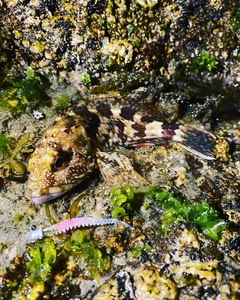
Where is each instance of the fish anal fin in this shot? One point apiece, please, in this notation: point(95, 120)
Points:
point(117, 169)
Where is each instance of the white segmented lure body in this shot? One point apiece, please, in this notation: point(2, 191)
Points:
point(66, 225)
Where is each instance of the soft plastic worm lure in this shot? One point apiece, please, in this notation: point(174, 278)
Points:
point(64, 226)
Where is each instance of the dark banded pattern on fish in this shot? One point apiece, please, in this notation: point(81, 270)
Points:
point(73, 146)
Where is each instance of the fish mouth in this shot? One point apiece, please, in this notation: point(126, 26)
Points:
point(41, 196)
point(45, 198)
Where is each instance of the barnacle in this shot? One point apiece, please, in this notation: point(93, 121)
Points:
point(147, 3)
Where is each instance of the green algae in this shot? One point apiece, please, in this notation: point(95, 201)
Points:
point(63, 102)
point(4, 145)
point(124, 200)
point(205, 62)
point(11, 152)
point(96, 258)
point(140, 250)
point(42, 258)
point(47, 261)
point(33, 274)
point(86, 79)
point(236, 21)
point(27, 277)
point(18, 217)
point(17, 94)
point(199, 215)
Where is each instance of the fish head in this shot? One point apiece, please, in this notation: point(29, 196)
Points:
point(61, 160)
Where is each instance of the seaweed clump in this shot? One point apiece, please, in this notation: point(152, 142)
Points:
point(95, 257)
point(199, 215)
point(11, 155)
point(236, 21)
point(205, 62)
point(125, 200)
point(27, 276)
point(17, 94)
point(47, 263)
point(42, 257)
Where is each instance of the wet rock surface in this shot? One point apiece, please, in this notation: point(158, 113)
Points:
point(183, 56)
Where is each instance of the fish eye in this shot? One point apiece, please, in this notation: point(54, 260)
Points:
point(61, 161)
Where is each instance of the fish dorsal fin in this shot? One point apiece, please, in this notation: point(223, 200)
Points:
point(145, 107)
point(112, 100)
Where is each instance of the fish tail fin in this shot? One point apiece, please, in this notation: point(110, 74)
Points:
point(197, 141)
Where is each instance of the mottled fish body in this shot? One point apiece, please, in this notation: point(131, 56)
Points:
point(75, 143)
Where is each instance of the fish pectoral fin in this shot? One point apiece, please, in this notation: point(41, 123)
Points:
point(117, 169)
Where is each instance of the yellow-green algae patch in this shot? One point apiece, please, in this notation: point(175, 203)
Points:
point(96, 259)
point(42, 256)
point(17, 94)
point(201, 215)
point(12, 155)
point(48, 261)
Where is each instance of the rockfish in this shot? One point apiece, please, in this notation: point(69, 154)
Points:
point(87, 137)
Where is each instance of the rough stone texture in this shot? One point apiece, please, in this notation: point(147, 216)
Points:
point(144, 51)
point(76, 37)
